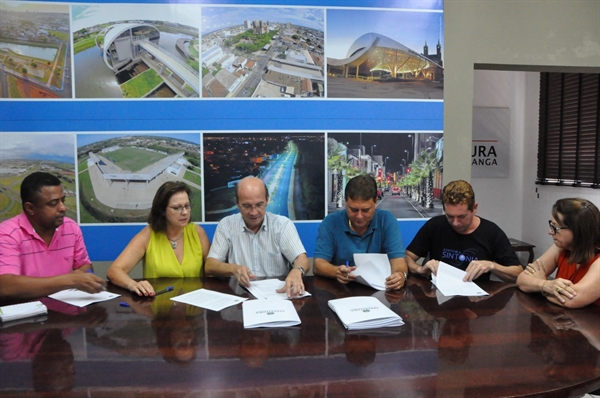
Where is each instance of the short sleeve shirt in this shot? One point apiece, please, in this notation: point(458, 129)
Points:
point(269, 252)
point(24, 252)
point(438, 240)
point(337, 242)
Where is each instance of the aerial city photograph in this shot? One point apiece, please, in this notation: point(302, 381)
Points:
point(25, 153)
point(407, 167)
point(136, 50)
point(290, 164)
point(35, 55)
point(250, 52)
point(119, 174)
point(385, 54)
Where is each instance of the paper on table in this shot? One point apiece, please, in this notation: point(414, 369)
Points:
point(266, 290)
point(80, 298)
point(372, 269)
point(269, 313)
point(209, 299)
point(25, 310)
point(449, 281)
point(358, 313)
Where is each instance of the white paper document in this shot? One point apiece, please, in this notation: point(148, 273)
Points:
point(269, 314)
point(449, 281)
point(19, 311)
point(267, 290)
point(209, 299)
point(357, 313)
point(372, 269)
point(80, 298)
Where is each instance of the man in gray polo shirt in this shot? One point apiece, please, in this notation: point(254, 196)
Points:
point(256, 243)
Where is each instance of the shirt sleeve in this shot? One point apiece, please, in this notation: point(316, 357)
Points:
point(505, 252)
point(10, 260)
point(393, 239)
point(291, 245)
point(324, 247)
point(219, 248)
point(80, 253)
point(420, 244)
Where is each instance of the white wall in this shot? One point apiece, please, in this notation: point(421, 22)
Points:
point(512, 35)
point(513, 202)
point(557, 33)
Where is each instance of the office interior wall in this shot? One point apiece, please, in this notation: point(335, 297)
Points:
point(557, 33)
point(527, 36)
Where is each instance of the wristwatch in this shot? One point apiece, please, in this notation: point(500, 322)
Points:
point(300, 268)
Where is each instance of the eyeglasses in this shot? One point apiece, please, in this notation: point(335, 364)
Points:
point(554, 228)
point(180, 209)
point(248, 207)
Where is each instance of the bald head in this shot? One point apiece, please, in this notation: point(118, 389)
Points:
point(252, 198)
point(251, 185)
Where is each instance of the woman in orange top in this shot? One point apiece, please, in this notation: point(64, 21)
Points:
point(575, 255)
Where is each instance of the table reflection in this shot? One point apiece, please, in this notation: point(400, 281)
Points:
point(509, 343)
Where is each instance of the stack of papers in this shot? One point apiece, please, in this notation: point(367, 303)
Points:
point(209, 299)
point(372, 269)
point(269, 314)
point(267, 290)
point(80, 298)
point(19, 311)
point(358, 313)
point(449, 281)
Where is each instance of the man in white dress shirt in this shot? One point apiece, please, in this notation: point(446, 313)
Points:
point(256, 243)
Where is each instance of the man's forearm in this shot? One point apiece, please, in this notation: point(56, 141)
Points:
point(411, 261)
point(323, 267)
point(507, 273)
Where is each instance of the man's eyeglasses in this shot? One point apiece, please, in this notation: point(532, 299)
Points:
point(554, 228)
point(258, 206)
point(180, 209)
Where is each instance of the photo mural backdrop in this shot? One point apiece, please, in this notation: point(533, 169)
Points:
point(117, 98)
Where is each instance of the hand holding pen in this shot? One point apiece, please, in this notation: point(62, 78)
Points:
point(344, 273)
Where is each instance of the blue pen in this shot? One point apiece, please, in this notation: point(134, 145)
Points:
point(347, 263)
point(165, 290)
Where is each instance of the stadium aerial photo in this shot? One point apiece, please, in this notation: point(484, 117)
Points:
point(119, 174)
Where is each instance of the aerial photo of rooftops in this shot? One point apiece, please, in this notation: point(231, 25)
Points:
point(251, 52)
point(385, 54)
point(25, 153)
point(119, 174)
point(292, 165)
point(35, 55)
point(136, 50)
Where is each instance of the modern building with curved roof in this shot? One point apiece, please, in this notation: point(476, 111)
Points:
point(122, 43)
point(377, 56)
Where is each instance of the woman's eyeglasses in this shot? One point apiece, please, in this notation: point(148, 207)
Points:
point(180, 209)
point(554, 228)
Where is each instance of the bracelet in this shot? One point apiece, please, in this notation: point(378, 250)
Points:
point(542, 288)
point(405, 275)
point(300, 268)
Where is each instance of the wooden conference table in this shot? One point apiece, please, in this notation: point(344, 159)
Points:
point(510, 344)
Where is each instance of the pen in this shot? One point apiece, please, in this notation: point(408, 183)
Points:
point(347, 263)
point(165, 290)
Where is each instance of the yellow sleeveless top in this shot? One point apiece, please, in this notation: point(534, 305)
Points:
point(160, 260)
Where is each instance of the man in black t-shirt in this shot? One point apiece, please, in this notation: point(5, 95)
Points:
point(464, 240)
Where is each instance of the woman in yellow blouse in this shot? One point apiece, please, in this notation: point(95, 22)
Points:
point(170, 245)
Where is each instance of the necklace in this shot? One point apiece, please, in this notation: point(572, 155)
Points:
point(174, 242)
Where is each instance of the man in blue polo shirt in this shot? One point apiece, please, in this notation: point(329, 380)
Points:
point(360, 228)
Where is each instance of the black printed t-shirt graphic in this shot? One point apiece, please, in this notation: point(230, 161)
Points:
point(438, 239)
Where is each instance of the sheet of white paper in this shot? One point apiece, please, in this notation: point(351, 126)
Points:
point(372, 269)
point(267, 289)
point(269, 313)
point(80, 298)
point(364, 313)
point(13, 312)
point(209, 299)
point(449, 280)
